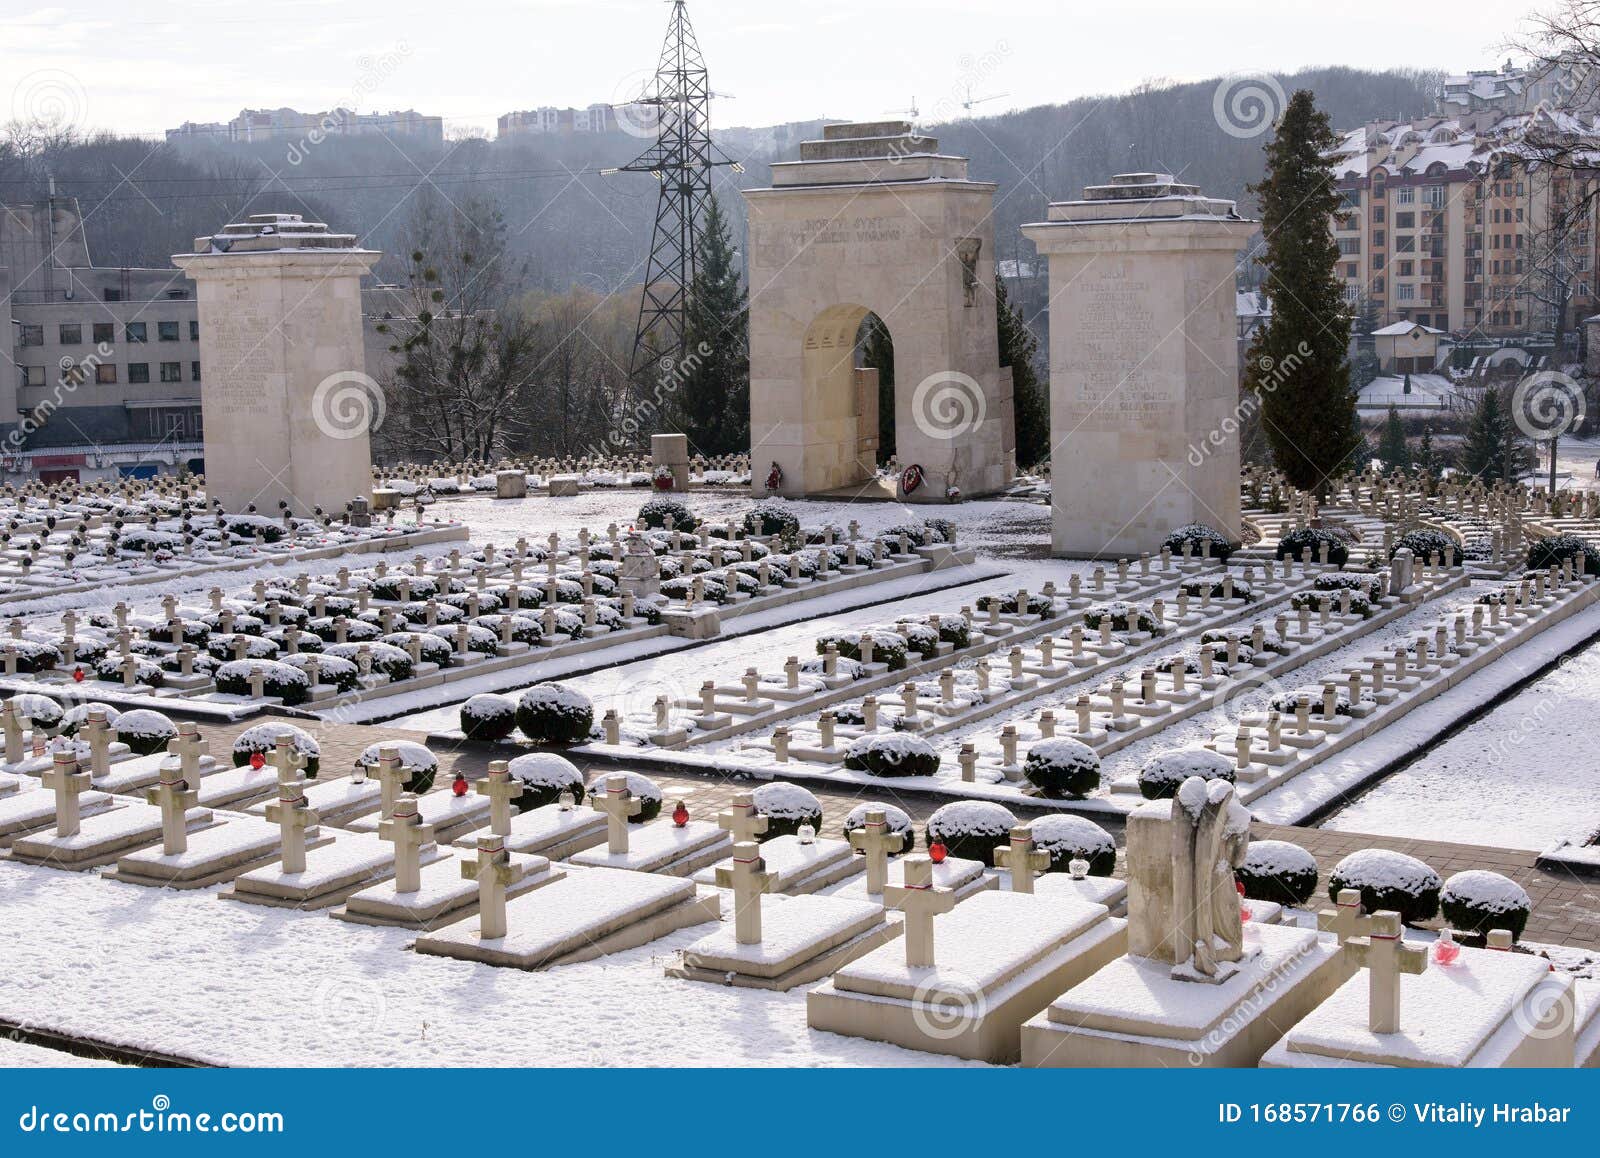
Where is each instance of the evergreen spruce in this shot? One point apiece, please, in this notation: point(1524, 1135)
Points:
point(1030, 399)
point(712, 405)
point(1392, 448)
point(1298, 364)
point(877, 353)
point(1490, 436)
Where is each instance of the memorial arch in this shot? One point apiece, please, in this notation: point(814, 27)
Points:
point(874, 220)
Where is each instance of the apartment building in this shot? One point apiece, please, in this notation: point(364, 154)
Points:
point(291, 125)
point(596, 118)
point(100, 374)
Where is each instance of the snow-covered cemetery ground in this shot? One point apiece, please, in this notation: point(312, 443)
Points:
point(308, 724)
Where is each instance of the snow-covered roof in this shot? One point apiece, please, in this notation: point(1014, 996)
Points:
point(1398, 329)
point(1252, 304)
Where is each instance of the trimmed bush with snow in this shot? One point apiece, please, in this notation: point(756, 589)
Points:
point(1558, 547)
point(1196, 535)
point(46, 714)
point(278, 680)
point(642, 788)
point(770, 517)
point(895, 820)
point(1163, 773)
point(77, 716)
point(656, 512)
point(145, 731)
point(970, 829)
point(896, 754)
point(1122, 615)
point(545, 776)
point(1067, 838)
point(1276, 870)
point(1295, 542)
point(555, 714)
point(1062, 768)
point(488, 717)
point(420, 764)
point(263, 738)
point(787, 806)
point(1476, 902)
point(1388, 880)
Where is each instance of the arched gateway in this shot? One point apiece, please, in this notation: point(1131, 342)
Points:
point(873, 219)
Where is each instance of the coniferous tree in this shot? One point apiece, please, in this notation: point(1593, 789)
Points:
point(712, 404)
point(1484, 452)
point(877, 353)
point(1428, 462)
point(1299, 363)
point(1030, 398)
point(1392, 448)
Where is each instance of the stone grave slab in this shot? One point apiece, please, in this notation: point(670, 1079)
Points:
point(337, 802)
point(552, 831)
point(1000, 959)
point(451, 815)
point(1586, 994)
point(349, 862)
point(116, 752)
point(9, 784)
point(34, 808)
point(797, 868)
point(593, 912)
point(965, 878)
point(1464, 1015)
point(236, 844)
point(445, 896)
point(142, 772)
point(102, 837)
point(237, 787)
point(1107, 891)
point(1135, 1013)
point(803, 938)
point(662, 847)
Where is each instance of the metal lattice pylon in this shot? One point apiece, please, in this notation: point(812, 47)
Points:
point(681, 159)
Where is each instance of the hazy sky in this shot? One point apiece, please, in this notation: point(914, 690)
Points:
point(144, 67)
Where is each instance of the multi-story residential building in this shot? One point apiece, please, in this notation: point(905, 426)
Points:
point(100, 373)
point(596, 118)
point(1445, 223)
point(288, 124)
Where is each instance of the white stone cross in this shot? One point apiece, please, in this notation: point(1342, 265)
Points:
point(618, 804)
point(748, 878)
point(12, 726)
point(1345, 919)
point(188, 747)
point(293, 815)
point(409, 835)
point(741, 819)
point(175, 798)
point(391, 774)
point(878, 843)
point(501, 790)
point(495, 872)
point(288, 761)
point(97, 734)
point(67, 783)
point(920, 900)
point(1386, 957)
point(1022, 859)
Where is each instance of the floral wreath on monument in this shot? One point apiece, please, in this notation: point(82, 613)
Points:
point(662, 477)
point(911, 478)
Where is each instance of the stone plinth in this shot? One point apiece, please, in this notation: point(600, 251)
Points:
point(798, 867)
point(101, 837)
point(344, 865)
point(591, 913)
point(964, 878)
point(28, 811)
point(662, 847)
point(552, 831)
point(445, 896)
point(802, 940)
point(1486, 1010)
point(237, 844)
point(1000, 958)
point(287, 402)
point(672, 452)
point(1135, 1013)
point(874, 220)
point(510, 484)
point(1144, 364)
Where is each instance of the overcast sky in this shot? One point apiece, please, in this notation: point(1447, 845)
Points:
point(144, 67)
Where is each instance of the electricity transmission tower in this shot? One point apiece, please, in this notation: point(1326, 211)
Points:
point(681, 159)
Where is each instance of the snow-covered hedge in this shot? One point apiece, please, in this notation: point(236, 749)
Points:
point(33, 655)
point(488, 717)
point(1295, 542)
point(888, 647)
point(1425, 544)
point(420, 764)
point(1067, 838)
point(656, 511)
point(46, 714)
point(545, 776)
point(895, 820)
point(223, 647)
point(430, 647)
point(1558, 547)
point(1288, 703)
point(1313, 600)
point(1388, 880)
point(1206, 586)
point(1062, 768)
point(770, 518)
point(642, 788)
point(145, 671)
point(1477, 901)
point(970, 829)
point(1276, 870)
point(787, 806)
point(895, 754)
point(340, 674)
point(279, 680)
point(145, 731)
point(555, 714)
point(1007, 604)
point(1162, 774)
point(77, 716)
point(387, 660)
point(1122, 615)
point(1196, 534)
point(263, 738)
